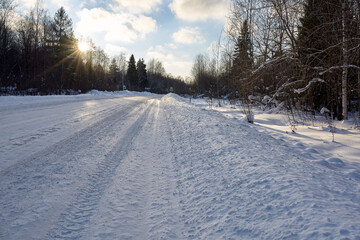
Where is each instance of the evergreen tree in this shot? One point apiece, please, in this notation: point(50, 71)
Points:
point(243, 58)
point(132, 76)
point(65, 46)
point(63, 26)
point(142, 74)
point(114, 74)
point(319, 49)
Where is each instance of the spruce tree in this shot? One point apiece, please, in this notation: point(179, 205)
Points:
point(114, 73)
point(142, 74)
point(65, 46)
point(319, 49)
point(64, 34)
point(243, 58)
point(132, 75)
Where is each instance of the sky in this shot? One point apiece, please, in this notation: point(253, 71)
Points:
point(172, 31)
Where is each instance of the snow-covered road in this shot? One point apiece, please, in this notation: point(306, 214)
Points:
point(155, 167)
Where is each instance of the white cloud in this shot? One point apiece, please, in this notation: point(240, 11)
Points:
point(27, 3)
point(112, 49)
point(124, 27)
point(179, 68)
point(200, 10)
point(161, 56)
point(62, 3)
point(171, 45)
point(188, 35)
point(136, 6)
point(158, 48)
point(172, 64)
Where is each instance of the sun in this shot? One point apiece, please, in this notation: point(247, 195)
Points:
point(83, 46)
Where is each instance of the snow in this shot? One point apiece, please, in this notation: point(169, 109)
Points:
point(142, 166)
point(313, 81)
point(312, 134)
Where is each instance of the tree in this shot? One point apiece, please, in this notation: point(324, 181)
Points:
point(63, 26)
point(142, 75)
point(65, 45)
point(121, 60)
point(243, 58)
point(155, 73)
point(323, 46)
point(132, 75)
point(199, 73)
point(7, 50)
point(114, 74)
point(31, 43)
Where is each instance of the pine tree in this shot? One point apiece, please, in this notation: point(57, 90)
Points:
point(132, 76)
point(142, 74)
point(243, 58)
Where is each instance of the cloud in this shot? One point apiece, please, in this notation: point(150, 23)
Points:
point(171, 45)
point(188, 35)
point(179, 68)
point(161, 56)
point(27, 3)
point(172, 64)
point(136, 6)
point(124, 27)
point(62, 3)
point(113, 49)
point(200, 10)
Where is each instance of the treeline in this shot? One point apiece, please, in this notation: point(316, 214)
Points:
point(302, 54)
point(39, 54)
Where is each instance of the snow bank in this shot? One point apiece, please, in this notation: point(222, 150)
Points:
point(312, 133)
point(240, 181)
point(119, 93)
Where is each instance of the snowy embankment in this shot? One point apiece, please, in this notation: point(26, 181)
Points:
point(156, 167)
point(237, 182)
point(313, 134)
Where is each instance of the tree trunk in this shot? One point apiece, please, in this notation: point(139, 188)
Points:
point(358, 6)
point(345, 63)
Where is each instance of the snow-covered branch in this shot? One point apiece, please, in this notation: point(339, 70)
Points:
point(314, 80)
point(289, 55)
point(284, 86)
point(338, 67)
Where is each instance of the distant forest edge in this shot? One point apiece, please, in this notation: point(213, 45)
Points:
point(40, 55)
point(295, 54)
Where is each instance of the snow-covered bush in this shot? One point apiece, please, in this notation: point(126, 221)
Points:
point(248, 112)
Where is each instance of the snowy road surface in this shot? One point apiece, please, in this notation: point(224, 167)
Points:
point(155, 167)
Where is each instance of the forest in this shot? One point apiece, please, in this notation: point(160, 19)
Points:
point(39, 54)
point(297, 54)
point(300, 54)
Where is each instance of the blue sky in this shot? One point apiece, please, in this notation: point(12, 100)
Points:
point(173, 31)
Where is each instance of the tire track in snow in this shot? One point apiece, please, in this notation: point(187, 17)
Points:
point(140, 202)
point(77, 216)
point(42, 128)
point(34, 191)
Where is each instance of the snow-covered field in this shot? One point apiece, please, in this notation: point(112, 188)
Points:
point(143, 166)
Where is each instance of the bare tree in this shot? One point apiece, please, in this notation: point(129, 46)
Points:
point(345, 59)
point(7, 8)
